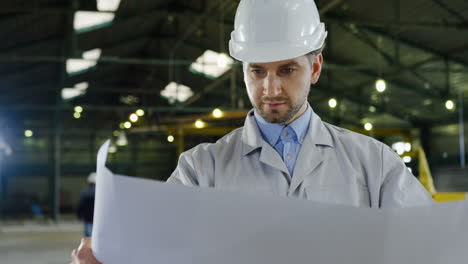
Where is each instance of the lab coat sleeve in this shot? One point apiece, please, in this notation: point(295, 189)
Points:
point(399, 187)
point(195, 167)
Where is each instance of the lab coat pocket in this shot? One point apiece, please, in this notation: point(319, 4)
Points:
point(346, 194)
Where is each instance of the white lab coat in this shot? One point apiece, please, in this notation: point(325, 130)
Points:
point(334, 165)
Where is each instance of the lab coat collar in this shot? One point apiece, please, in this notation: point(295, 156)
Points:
point(252, 139)
point(251, 136)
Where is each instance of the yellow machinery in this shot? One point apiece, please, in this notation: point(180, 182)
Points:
point(425, 177)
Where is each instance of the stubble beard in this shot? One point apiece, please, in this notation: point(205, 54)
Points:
point(274, 116)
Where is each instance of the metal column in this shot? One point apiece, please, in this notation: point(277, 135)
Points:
point(461, 128)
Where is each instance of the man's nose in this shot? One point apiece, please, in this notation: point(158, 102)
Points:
point(272, 85)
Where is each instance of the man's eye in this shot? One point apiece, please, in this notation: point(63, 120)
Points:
point(287, 70)
point(258, 71)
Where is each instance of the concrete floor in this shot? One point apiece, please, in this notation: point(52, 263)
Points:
point(38, 243)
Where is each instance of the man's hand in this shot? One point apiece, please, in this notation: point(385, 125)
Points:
point(83, 254)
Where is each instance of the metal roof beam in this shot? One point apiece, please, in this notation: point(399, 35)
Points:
point(362, 36)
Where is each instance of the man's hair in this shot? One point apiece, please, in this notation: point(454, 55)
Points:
point(311, 55)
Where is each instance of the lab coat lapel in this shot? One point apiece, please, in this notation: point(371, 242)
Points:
point(270, 157)
point(312, 152)
point(252, 140)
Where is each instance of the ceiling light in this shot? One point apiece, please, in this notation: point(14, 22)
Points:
point(332, 103)
point(133, 117)
point(127, 125)
point(112, 148)
point(170, 138)
point(116, 133)
point(108, 5)
point(380, 85)
point(122, 125)
point(368, 126)
point(28, 133)
point(70, 93)
point(76, 115)
point(89, 60)
point(140, 112)
point(372, 109)
point(121, 140)
point(217, 113)
point(129, 99)
point(406, 159)
point(199, 124)
point(399, 147)
point(88, 20)
point(176, 92)
point(449, 104)
point(77, 90)
point(78, 109)
point(407, 146)
point(212, 64)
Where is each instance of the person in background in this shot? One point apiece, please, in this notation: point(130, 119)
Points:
point(85, 210)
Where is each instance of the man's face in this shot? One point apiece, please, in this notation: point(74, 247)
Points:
point(279, 90)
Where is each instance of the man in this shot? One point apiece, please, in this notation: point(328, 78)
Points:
point(85, 208)
point(284, 148)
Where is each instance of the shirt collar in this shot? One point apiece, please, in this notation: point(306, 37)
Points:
point(271, 131)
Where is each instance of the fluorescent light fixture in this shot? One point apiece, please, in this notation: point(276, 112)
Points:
point(82, 86)
point(93, 54)
point(89, 60)
point(212, 64)
point(108, 5)
point(176, 92)
point(78, 90)
point(69, 93)
point(88, 20)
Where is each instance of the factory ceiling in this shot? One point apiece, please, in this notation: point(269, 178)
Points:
point(419, 47)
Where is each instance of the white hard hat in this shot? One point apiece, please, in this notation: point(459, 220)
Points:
point(92, 177)
point(274, 30)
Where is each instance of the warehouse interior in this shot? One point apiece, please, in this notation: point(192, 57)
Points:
point(155, 77)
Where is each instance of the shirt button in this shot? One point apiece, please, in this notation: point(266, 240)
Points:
point(289, 156)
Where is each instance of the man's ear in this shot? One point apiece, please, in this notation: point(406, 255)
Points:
point(316, 68)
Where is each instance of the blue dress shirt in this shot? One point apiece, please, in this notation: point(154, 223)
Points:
point(286, 140)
